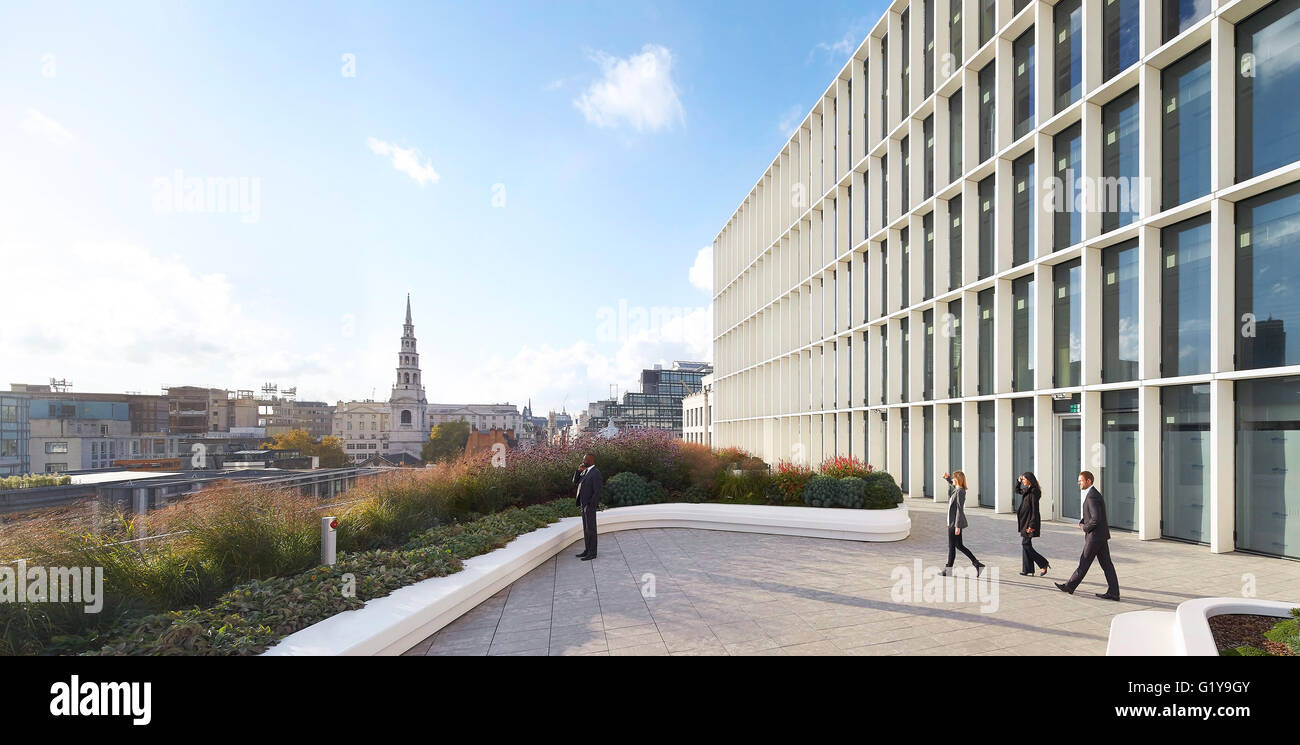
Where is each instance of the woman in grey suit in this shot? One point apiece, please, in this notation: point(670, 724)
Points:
point(957, 521)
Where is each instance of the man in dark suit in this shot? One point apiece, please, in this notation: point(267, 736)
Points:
point(588, 480)
point(1096, 537)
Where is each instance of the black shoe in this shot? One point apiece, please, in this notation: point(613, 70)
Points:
point(1026, 574)
point(587, 558)
point(946, 572)
point(582, 555)
point(1063, 588)
point(1107, 596)
point(1043, 572)
point(978, 569)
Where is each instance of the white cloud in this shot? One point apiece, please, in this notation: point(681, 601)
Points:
point(37, 124)
point(792, 118)
point(638, 90)
point(844, 46)
point(701, 274)
point(406, 160)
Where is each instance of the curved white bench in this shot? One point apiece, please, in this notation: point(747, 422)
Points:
point(393, 624)
point(1184, 631)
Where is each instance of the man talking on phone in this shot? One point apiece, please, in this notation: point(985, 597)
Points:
point(588, 480)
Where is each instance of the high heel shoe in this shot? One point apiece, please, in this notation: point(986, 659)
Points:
point(1043, 571)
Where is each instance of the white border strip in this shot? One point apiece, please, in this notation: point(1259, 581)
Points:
point(1184, 632)
point(393, 624)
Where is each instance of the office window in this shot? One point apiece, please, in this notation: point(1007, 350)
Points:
point(927, 254)
point(927, 42)
point(1268, 483)
point(884, 86)
point(1067, 150)
point(987, 114)
point(1180, 15)
point(954, 437)
point(988, 20)
point(1119, 438)
point(987, 231)
point(1067, 324)
point(866, 194)
point(1022, 85)
point(1184, 287)
point(1120, 188)
point(905, 54)
point(954, 243)
point(904, 285)
point(952, 328)
point(1268, 61)
point(954, 36)
point(905, 150)
point(1023, 208)
point(954, 137)
point(1119, 36)
point(988, 452)
point(985, 335)
point(927, 422)
point(57, 447)
point(907, 340)
point(1120, 325)
point(1268, 275)
point(1067, 18)
point(884, 278)
point(1022, 440)
point(1185, 136)
point(905, 416)
point(927, 323)
point(927, 169)
point(884, 367)
point(1022, 333)
point(884, 189)
point(1185, 462)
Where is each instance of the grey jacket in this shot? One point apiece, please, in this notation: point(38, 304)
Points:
point(956, 505)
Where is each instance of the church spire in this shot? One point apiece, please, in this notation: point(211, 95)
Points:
point(408, 309)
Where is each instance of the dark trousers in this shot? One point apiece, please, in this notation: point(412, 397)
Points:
point(955, 545)
point(1029, 556)
point(1098, 549)
point(589, 530)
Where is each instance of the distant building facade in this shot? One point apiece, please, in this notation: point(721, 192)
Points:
point(697, 414)
point(483, 416)
point(363, 426)
point(658, 405)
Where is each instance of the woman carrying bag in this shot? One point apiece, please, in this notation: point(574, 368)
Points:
point(1029, 524)
point(957, 521)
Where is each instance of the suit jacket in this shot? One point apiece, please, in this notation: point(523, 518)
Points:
point(1093, 520)
point(956, 505)
point(589, 485)
point(1028, 515)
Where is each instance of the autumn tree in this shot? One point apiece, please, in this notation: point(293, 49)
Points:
point(328, 449)
point(447, 441)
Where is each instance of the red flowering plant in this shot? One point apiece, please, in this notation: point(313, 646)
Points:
point(843, 466)
point(789, 479)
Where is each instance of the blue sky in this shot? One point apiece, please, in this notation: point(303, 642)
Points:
point(532, 173)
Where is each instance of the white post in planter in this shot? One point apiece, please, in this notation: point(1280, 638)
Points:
point(328, 526)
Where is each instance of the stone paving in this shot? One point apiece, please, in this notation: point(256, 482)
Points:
point(723, 593)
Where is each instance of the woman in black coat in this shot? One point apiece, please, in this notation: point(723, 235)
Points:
point(1029, 523)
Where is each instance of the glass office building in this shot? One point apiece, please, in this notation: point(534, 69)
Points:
point(1119, 260)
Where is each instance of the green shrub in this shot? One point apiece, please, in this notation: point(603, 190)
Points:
point(821, 491)
point(33, 480)
point(749, 487)
point(696, 494)
point(626, 489)
point(852, 493)
point(1244, 651)
point(1287, 632)
point(882, 492)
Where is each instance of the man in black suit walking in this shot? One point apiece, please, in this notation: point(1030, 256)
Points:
point(1096, 537)
point(588, 480)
